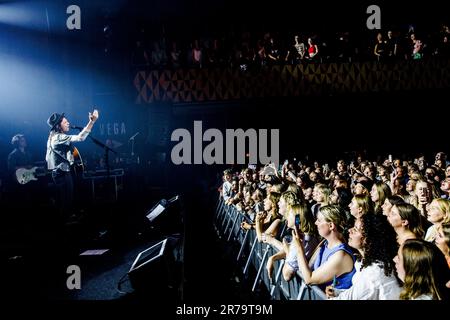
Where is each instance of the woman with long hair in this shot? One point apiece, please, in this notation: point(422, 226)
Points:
point(438, 213)
point(405, 219)
point(360, 205)
point(375, 278)
point(380, 191)
point(422, 268)
point(321, 194)
point(287, 200)
point(299, 217)
point(335, 259)
point(442, 241)
point(341, 197)
point(389, 203)
point(270, 217)
point(313, 49)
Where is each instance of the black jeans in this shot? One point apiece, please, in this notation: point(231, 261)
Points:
point(64, 192)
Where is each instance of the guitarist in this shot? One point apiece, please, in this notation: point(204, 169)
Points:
point(20, 157)
point(60, 157)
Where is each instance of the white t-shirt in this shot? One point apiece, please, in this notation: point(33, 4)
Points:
point(371, 283)
point(226, 190)
point(431, 233)
point(424, 297)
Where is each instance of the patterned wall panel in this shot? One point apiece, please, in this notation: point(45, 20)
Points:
point(201, 85)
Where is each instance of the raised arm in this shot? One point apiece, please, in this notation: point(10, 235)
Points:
point(334, 266)
point(259, 221)
point(269, 239)
point(92, 118)
point(86, 130)
point(271, 260)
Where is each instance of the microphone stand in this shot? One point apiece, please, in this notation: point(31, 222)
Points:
point(132, 143)
point(105, 156)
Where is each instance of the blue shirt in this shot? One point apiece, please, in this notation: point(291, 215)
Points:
point(344, 281)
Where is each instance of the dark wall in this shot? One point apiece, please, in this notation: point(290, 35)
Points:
point(328, 127)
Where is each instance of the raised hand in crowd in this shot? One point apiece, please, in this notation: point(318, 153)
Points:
point(260, 216)
point(297, 237)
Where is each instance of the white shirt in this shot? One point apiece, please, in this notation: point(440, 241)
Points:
point(226, 190)
point(371, 284)
point(424, 297)
point(59, 151)
point(431, 233)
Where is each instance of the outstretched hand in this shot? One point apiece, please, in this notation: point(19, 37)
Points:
point(93, 116)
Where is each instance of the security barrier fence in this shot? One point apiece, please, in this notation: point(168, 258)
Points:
point(254, 254)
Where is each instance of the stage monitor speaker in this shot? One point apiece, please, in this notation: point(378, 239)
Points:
point(151, 270)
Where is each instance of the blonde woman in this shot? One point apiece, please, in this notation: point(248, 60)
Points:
point(362, 186)
point(411, 197)
point(360, 205)
point(296, 190)
point(321, 194)
point(287, 200)
point(300, 218)
point(335, 260)
point(438, 213)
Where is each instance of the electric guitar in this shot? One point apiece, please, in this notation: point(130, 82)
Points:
point(24, 175)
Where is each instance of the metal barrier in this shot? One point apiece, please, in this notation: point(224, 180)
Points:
point(227, 223)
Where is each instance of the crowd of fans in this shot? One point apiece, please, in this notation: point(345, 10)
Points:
point(360, 230)
point(249, 50)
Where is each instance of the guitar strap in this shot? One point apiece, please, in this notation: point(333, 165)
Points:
point(65, 160)
point(60, 155)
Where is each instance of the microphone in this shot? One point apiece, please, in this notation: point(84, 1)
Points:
point(134, 136)
point(77, 127)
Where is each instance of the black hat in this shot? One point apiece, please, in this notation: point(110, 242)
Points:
point(54, 120)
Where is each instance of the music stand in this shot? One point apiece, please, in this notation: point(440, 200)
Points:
point(159, 208)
